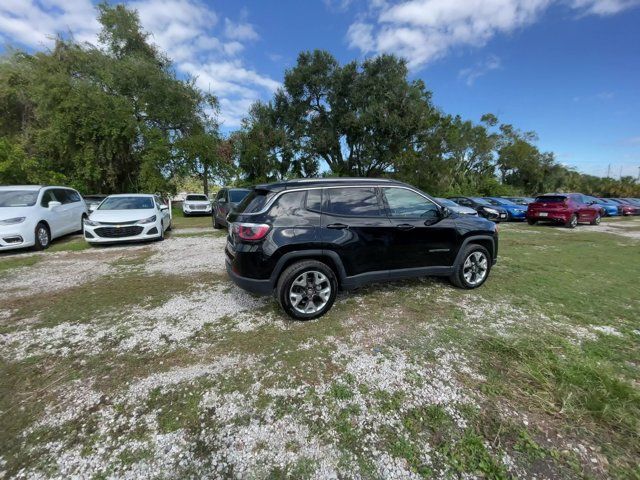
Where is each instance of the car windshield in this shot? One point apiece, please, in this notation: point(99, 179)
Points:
point(551, 199)
point(447, 202)
point(18, 198)
point(481, 201)
point(126, 203)
point(197, 198)
point(606, 201)
point(236, 196)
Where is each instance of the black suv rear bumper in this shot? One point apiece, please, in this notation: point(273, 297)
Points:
point(259, 287)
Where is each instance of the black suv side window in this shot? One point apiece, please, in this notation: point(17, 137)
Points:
point(287, 204)
point(314, 200)
point(353, 202)
point(406, 203)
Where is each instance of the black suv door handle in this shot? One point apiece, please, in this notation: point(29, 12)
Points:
point(337, 226)
point(405, 226)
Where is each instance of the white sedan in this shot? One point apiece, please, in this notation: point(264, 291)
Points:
point(128, 217)
point(196, 204)
point(33, 215)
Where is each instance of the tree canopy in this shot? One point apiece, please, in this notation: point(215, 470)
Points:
point(107, 118)
point(369, 119)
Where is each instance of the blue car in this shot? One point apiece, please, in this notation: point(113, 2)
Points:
point(608, 208)
point(515, 212)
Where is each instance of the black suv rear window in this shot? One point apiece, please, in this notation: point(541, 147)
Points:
point(354, 202)
point(551, 199)
point(255, 201)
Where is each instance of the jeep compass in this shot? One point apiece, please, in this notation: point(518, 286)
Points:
point(302, 240)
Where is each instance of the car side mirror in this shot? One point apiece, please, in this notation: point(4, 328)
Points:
point(434, 216)
point(222, 200)
point(163, 208)
point(53, 205)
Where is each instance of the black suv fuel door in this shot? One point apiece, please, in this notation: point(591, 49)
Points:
point(355, 226)
point(423, 233)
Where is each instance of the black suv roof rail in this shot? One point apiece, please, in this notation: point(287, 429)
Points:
point(308, 182)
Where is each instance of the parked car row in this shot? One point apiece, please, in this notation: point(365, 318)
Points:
point(569, 209)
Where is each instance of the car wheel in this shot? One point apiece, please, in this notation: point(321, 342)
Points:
point(307, 289)
point(216, 225)
point(43, 237)
point(161, 237)
point(474, 268)
point(170, 226)
point(572, 222)
point(531, 221)
point(596, 221)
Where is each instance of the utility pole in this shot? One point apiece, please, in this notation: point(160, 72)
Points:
point(609, 171)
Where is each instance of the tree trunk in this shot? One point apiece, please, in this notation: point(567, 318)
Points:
point(205, 180)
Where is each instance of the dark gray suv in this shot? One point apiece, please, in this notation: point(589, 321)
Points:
point(226, 200)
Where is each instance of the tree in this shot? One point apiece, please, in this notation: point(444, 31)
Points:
point(106, 118)
point(357, 118)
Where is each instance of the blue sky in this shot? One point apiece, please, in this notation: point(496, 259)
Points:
point(567, 69)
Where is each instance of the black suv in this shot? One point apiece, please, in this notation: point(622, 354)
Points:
point(305, 239)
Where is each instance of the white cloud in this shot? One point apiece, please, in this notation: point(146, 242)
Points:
point(603, 7)
point(191, 33)
point(471, 74)
point(34, 24)
point(425, 30)
point(239, 31)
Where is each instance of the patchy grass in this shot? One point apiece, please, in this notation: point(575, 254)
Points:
point(8, 263)
point(180, 221)
point(534, 374)
point(72, 243)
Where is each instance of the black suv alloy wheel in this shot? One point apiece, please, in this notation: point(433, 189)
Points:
point(307, 289)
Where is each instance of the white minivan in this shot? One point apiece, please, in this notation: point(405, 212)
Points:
point(33, 215)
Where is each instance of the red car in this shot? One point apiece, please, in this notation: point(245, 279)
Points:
point(565, 208)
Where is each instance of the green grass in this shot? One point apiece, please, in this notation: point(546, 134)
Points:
point(179, 221)
point(8, 262)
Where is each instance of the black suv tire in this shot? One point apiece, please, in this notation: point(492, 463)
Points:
point(473, 253)
point(317, 277)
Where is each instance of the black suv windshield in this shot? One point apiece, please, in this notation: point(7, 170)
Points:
point(18, 198)
point(126, 203)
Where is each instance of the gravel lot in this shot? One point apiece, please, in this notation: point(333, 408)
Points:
point(180, 374)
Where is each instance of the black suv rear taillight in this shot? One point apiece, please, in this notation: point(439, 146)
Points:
point(251, 232)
